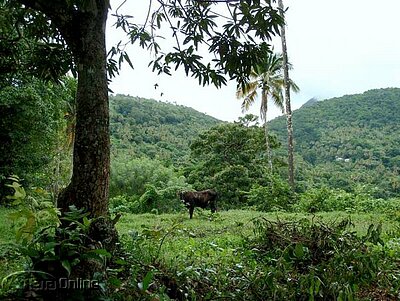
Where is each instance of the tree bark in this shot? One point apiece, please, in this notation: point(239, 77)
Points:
point(287, 103)
point(266, 131)
point(83, 28)
point(82, 25)
point(91, 160)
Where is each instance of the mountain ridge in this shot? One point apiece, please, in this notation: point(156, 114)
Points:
point(154, 129)
point(364, 128)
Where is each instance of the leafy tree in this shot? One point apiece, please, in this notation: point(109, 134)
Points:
point(30, 46)
point(229, 158)
point(31, 129)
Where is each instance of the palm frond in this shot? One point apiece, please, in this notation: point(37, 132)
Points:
point(293, 86)
point(249, 100)
point(247, 89)
point(268, 75)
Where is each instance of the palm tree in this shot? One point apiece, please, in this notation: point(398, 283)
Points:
point(267, 77)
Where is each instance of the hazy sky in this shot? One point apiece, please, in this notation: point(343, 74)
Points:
point(336, 48)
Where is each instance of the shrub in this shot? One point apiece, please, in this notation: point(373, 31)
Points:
point(305, 260)
point(124, 203)
point(152, 200)
point(275, 196)
point(130, 177)
point(325, 199)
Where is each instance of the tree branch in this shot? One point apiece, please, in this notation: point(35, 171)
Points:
point(55, 9)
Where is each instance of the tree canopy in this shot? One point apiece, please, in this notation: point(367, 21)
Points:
point(237, 38)
point(349, 141)
point(231, 158)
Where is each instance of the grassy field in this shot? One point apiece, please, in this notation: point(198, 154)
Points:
point(207, 252)
point(209, 224)
point(231, 226)
point(211, 250)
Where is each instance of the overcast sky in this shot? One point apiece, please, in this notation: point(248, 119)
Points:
point(336, 48)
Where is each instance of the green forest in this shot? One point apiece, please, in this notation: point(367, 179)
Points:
point(97, 189)
point(349, 142)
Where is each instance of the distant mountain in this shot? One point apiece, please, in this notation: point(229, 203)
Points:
point(158, 130)
point(350, 140)
point(309, 103)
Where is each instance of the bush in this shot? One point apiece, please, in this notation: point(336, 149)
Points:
point(305, 260)
point(124, 203)
point(325, 199)
point(231, 184)
point(276, 196)
point(152, 200)
point(130, 177)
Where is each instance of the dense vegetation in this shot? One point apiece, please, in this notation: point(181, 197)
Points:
point(349, 142)
point(234, 255)
point(156, 130)
point(339, 145)
point(69, 231)
point(36, 132)
point(159, 149)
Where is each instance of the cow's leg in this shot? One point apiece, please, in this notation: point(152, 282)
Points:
point(191, 209)
point(213, 207)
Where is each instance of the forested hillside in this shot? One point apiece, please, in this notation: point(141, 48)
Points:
point(350, 141)
point(157, 130)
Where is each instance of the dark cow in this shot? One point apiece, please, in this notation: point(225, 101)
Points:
point(202, 199)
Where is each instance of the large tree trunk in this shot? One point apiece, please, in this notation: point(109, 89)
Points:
point(83, 28)
point(288, 104)
point(91, 159)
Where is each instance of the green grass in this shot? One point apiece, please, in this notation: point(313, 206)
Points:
point(236, 222)
point(209, 245)
point(206, 239)
point(213, 247)
point(7, 229)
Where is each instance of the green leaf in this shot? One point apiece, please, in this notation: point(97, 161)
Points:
point(128, 60)
point(299, 250)
point(114, 282)
point(67, 266)
point(86, 222)
point(146, 281)
point(101, 252)
point(19, 191)
point(121, 262)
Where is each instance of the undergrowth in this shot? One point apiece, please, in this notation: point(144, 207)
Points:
point(293, 259)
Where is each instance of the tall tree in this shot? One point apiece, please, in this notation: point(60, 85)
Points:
point(81, 25)
point(237, 45)
point(267, 77)
point(287, 101)
point(229, 158)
